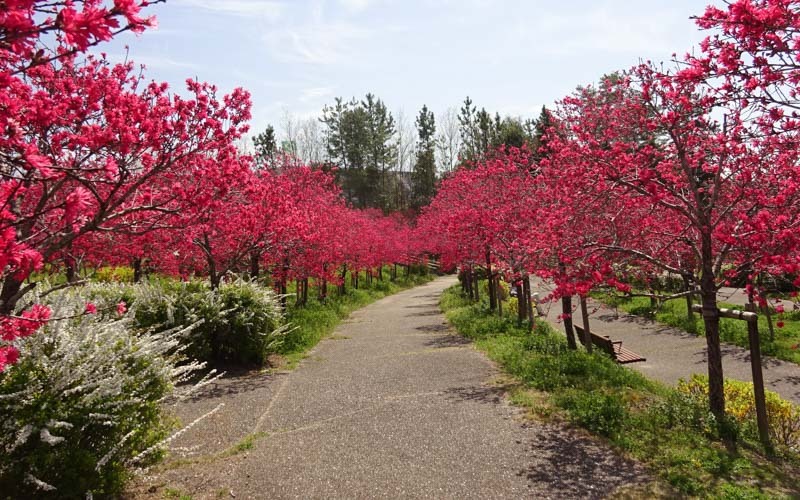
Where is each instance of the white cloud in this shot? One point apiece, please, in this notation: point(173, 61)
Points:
point(607, 28)
point(269, 9)
point(315, 93)
point(315, 43)
point(154, 62)
point(355, 5)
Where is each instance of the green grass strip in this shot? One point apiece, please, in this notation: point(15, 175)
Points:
point(642, 419)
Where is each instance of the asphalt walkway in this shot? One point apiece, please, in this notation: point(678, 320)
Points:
point(393, 405)
point(671, 353)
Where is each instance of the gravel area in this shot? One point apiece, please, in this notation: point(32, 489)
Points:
point(394, 405)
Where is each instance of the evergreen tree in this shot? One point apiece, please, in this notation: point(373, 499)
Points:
point(539, 141)
point(510, 132)
point(381, 151)
point(265, 147)
point(360, 139)
point(424, 174)
point(478, 131)
point(346, 142)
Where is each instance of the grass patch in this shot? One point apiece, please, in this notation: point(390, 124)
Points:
point(244, 445)
point(176, 493)
point(673, 313)
point(643, 419)
point(317, 320)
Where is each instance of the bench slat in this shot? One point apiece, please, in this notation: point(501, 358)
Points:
point(614, 348)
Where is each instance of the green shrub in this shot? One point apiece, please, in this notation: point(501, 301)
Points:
point(251, 327)
point(108, 274)
point(783, 416)
point(83, 404)
point(503, 289)
point(513, 307)
point(241, 323)
point(600, 412)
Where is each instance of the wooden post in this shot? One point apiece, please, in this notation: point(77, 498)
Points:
point(687, 286)
point(587, 336)
point(758, 378)
point(755, 365)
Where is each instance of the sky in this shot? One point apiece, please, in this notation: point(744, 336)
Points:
point(510, 57)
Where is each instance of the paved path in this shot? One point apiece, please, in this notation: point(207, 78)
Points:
point(673, 354)
point(396, 406)
point(738, 296)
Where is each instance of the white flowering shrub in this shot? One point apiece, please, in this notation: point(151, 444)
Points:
point(84, 402)
point(240, 324)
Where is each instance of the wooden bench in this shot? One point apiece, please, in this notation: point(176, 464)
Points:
point(612, 347)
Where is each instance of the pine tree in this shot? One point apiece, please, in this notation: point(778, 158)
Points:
point(381, 151)
point(265, 147)
point(424, 174)
point(360, 139)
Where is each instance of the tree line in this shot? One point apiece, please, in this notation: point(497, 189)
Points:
point(382, 160)
point(689, 170)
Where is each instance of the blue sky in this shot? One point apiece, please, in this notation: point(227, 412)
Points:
point(509, 56)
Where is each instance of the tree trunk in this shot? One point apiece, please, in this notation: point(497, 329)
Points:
point(475, 284)
point(708, 293)
point(10, 294)
point(499, 296)
point(770, 326)
point(254, 267)
point(70, 271)
point(323, 291)
point(566, 311)
point(767, 312)
point(302, 292)
point(526, 290)
point(137, 270)
point(490, 281)
point(283, 282)
point(587, 334)
point(522, 308)
point(343, 286)
point(213, 276)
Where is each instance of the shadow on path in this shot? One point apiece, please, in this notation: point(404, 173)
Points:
point(578, 468)
point(447, 341)
point(234, 385)
point(488, 395)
